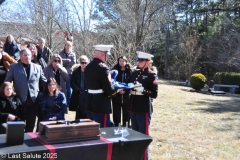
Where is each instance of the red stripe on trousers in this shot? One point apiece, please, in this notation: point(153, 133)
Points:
point(52, 149)
point(104, 120)
point(146, 120)
point(109, 148)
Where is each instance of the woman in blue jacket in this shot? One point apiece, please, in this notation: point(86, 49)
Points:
point(52, 102)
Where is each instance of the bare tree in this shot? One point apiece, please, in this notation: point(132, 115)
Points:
point(187, 59)
point(129, 23)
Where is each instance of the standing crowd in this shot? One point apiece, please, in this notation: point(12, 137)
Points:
point(36, 84)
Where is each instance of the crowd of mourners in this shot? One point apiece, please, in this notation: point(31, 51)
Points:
point(37, 85)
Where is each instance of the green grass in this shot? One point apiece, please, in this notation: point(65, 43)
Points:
point(194, 125)
point(189, 125)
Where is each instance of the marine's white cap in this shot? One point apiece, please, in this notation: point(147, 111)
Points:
point(103, 48)
point(143, 56)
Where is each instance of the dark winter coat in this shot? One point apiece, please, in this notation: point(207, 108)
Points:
point(78, 95)
point(122, 77)
point(46, 57)
point(143, 103)
point(12, 49)
point(11, 105)
point(97, 77)
point(58, 110)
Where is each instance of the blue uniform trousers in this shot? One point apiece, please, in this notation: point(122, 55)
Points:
point(103, 119)
point(140, 122)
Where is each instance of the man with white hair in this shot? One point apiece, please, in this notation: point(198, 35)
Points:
point(43, 51)
point(100, 89)
point(26, 77)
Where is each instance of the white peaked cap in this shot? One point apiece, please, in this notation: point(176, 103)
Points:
point(103, 48)
point(144, 56)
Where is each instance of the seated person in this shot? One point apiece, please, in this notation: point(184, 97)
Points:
point(52, 103)
point(9, 106)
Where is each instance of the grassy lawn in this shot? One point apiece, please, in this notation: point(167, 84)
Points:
point(188, 125)
point(191, 125)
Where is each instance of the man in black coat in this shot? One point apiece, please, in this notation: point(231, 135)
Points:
point(100, 88)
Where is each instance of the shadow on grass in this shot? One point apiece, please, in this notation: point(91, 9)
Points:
point(222, 106)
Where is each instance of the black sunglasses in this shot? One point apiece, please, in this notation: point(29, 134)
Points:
point(84, 62)
point(57, 61)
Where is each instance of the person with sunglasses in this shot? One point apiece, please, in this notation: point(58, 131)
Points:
point(140, 103)
point(79, 88)
point(56, 70)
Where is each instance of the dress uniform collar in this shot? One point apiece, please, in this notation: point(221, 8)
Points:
point(96, 59)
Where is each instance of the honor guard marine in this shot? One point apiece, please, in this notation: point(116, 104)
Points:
point(100, 88)
point(140, 103)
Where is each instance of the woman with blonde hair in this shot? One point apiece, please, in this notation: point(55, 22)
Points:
point(68, 59)
point(56, 70)
point(79, 89)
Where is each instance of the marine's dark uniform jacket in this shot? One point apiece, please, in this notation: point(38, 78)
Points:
point(96, 77)
point(143, 103)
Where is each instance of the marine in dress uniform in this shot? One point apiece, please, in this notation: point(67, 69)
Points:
point(140, 103)
point(100, 88)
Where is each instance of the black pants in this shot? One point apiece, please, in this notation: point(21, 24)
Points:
point(30, 119)
point(29, 113)
point(117, 108)
point(81, 111)
point(3, 127)
point(2, 76)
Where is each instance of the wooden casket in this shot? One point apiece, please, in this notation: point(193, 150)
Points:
point(68, 131)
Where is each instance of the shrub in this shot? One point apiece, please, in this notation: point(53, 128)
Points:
point(197, 81)
point(227, 78)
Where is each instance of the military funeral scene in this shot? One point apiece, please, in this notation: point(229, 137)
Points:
point(120, 79)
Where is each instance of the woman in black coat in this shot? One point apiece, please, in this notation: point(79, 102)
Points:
point(9, 105)
point(120, 101)
point(11, 47)
point(79, 94)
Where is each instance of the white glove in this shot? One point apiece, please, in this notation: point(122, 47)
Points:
point(119, 90)
point(53, 118)
point(139, 89)
point(130, 85)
